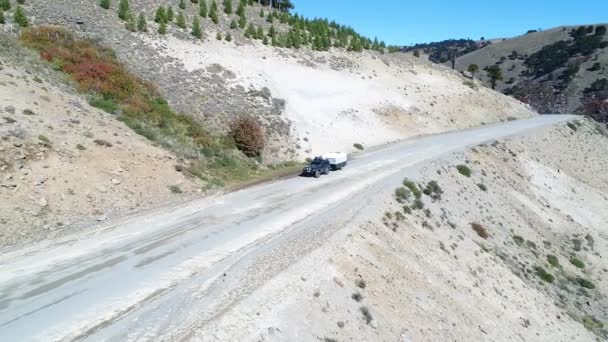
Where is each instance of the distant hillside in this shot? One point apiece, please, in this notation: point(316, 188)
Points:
point(561, 70)
point(443, 51)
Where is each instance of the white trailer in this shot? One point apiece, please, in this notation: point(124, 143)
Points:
point(337, 160)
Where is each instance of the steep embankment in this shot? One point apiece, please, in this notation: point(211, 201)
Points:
point(63, 162)
point(310, 102)
point(516, 251)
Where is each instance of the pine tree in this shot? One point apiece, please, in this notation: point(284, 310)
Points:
point(169, 15)
point(202, 8)
point(272, 31)
point(270, 18)
point(181, 20)
point(261, 13)
point(182, 4)
point(194, 1)
point(242, 21)
point(241, 9)
point(124, 10)
point(259, 33)
point(218, 36)
point(142, 24)
point(2, 21)
point(228, 37)
point(228, 6)
point(250, 31)
point(105, 4)
point(213, 12)
point(20, 17)
point(234, 25)
point(131, 23)
point(162, 27)
point(196, 28)
point(160, 15)
point(265, 40)
point(5, 5)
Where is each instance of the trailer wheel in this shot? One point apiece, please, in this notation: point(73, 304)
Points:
point(317, 174)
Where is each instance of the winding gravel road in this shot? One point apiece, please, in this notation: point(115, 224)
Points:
point(161, 275)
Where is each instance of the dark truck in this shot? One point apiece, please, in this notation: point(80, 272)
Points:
point(322, 165)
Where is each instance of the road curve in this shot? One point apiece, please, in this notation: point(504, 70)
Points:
point(162, 274)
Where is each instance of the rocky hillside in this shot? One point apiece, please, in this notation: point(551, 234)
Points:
point(315, 86)
point(64, 163)
point(561, 70)
point(306, 97)
point(506, 241)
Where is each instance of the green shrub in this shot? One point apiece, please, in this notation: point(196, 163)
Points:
point(544, 275)
point(585, 283)
point(105, 4)
point(418, 204)
point(592, 324)
point(2, 20)
point(20, 17)
point(518, 240)
point(175, 189)
point(577, 262)
point(413, 188)
point(407, 209)
point(358, 146)
point(482, 187)
point(108, 105)
point(402, 195)
point(80, 147)
point(464, 170)
point(433, 190)
point(552, 260)
point(44, 139)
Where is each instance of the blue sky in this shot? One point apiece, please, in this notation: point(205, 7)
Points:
point(403, 22)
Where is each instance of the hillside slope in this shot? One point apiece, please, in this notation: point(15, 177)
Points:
point(515, 252)
point(309, 101)
point(63, 163)
point(554, 70)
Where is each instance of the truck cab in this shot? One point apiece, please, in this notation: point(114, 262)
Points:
point(317, 167)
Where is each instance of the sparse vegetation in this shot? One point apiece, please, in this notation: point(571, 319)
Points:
point(518, 240)
point(464, 170)
point(402, 195)
point(433, 190)
point(418, 204)
point(552, 260)
point(367, 316)
point(592, 324)
point(213, 157)
point(357, 296)
point(577, 262)
point(480, 230)
point(413, 188)
point(102, 142)
point(360, 283)
point(175, 189)
point(585, 283)
point(544, 275)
